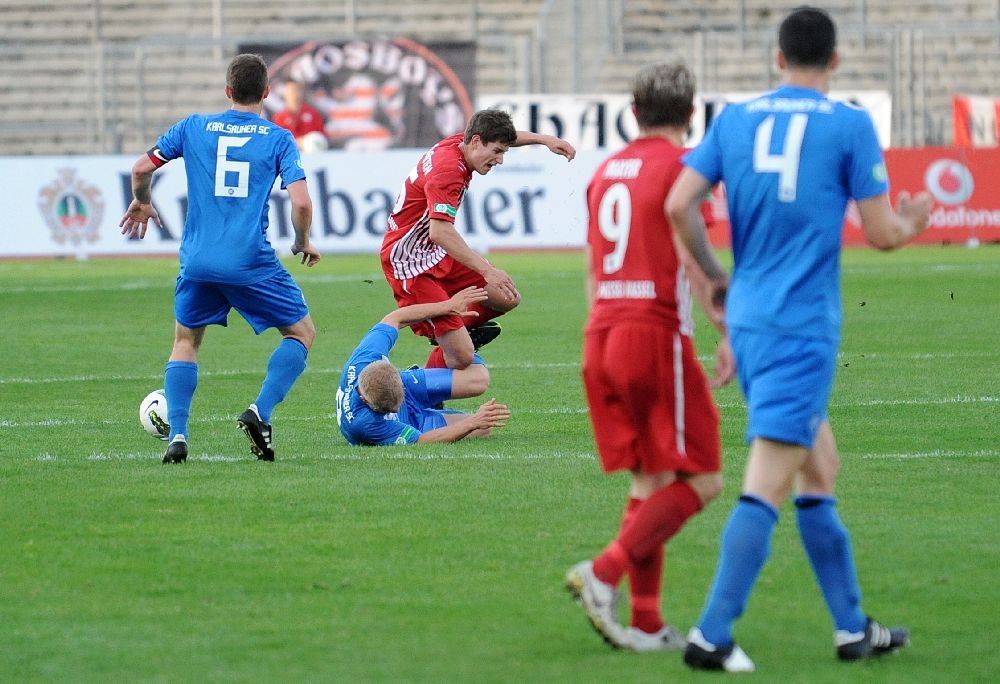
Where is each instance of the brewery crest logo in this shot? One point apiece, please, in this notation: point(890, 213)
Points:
point(72, 208)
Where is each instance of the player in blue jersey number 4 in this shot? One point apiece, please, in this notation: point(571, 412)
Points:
point(791, 160)
point(226, 262)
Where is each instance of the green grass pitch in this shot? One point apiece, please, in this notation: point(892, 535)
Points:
point(445, 563)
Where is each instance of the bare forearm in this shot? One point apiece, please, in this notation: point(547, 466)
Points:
point(142, 179)
point(142, 187)
point(702, 288)
point(446, 236)
point(414, 313)
point(694, 237)
point(555, 145)
point(887, 229)
point(530, 138)
point(449, 433)
point(301, 223)
point(893, 233)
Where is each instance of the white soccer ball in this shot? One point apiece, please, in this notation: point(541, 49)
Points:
point(313, 142)
point(153, 415)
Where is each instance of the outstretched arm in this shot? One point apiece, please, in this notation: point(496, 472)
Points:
point(555, 145)
point(478, 424)
point(457, 305)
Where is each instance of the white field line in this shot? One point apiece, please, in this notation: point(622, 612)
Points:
point(574, 365)
point(167, 283)
point(561, 410)
point(935, 453)
point(425, 454)
point(938, 268)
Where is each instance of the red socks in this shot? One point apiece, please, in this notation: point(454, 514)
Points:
point(638, 550)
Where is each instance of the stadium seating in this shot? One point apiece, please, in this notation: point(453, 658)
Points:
point(86, 76)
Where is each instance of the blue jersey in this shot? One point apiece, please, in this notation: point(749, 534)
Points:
point(358, 422)
point(790, 160)
point(232, 160)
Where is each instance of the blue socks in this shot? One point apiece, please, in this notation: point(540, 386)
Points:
point(828, 546)
point(179, 382)
point(745, 546)
point(283, 368)
point(181, 379)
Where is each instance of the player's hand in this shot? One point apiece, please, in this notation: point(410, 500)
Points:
point(725, 364)
point(461, 301)
point(916, 210)
point(136, 219)
point(561, 147)
point(492, 415)
point(717, 302)
point(499, 282)
point(310, 255)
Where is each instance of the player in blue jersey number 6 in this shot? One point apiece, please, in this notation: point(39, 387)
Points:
point(226, 262)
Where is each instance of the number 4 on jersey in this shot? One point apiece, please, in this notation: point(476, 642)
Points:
point(786, 164)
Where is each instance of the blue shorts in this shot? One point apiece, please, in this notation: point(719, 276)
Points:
point(787, 383)
point(423, 388)
point(275, 302)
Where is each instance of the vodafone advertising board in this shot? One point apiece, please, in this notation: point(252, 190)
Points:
point(966, 206)
point(963, 183)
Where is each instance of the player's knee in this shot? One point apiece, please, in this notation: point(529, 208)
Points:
point(304, 331)
point(708, 486)
point(503, 303)
point(478, 377)
point(459, 359)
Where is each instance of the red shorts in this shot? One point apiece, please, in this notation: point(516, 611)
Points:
point(436, 285)
point(650, 404)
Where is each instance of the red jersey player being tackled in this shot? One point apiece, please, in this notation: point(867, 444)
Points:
point(424, 257)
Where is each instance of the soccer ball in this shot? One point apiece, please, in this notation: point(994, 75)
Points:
point(313, 142)
point(153, 415)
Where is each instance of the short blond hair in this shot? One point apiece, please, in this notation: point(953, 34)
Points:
point(381, 386)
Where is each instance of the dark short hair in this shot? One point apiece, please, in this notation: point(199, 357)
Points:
point(663, 95)
point(807, 37)
point(491, 125)
point(247, 78)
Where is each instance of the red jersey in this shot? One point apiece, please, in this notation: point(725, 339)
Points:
point(633, 262)
point(307, 120)
point(433, 190)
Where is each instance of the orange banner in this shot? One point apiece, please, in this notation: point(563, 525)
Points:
point(962, 181)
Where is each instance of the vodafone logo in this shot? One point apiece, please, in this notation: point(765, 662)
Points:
point(949, 181)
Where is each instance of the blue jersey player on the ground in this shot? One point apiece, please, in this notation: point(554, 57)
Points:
point(790, 161)
point(232, 160)
point(379, 405)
